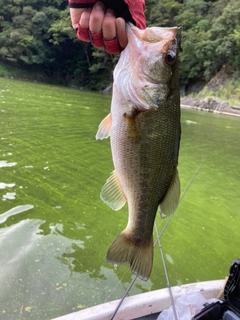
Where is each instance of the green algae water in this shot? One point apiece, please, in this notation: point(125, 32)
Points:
point(54, 229)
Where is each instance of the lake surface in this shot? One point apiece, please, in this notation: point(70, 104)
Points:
point(54, 229)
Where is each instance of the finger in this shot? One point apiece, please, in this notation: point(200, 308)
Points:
point(83, 34)
point(83, 31)
point(121, 32)
point(109, 33)
point(85, 18)
point(112, 46)
point(75, 15)
point(109, 25)
point(96, 18)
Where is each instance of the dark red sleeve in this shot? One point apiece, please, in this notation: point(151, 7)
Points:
point(136, 8)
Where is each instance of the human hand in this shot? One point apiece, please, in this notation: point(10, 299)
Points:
point(101, 26)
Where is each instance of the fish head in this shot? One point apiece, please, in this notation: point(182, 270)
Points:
point(151, 57)
point(156, 46)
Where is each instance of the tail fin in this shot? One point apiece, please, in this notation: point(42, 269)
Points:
point(138, 254)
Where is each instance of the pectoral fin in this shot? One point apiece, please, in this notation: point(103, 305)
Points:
point(132, 123)
point(171, 199)
point(112, 193)
point(105, 127)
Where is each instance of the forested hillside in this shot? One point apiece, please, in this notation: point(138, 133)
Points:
point(38, 34)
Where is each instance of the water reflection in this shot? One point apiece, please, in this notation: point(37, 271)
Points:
point(9, 196)
point(191, 122)
point(40, 270)
point(6, 185)
point(79, 255)
point(14, 211)
point(4, 163)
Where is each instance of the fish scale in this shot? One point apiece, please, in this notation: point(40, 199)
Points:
point(144, 137)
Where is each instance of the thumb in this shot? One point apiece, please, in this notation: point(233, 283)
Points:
point(75, 14)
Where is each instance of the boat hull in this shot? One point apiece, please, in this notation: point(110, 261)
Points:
point(145, 303)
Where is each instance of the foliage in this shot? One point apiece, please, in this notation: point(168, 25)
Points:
point(39, 33)
point(163, 13)
point(209, 38)
point(35, 33)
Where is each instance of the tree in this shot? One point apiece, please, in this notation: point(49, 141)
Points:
point(39, 33)
point(208, 39)
point(163, 13)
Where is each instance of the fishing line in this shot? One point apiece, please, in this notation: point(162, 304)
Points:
point(166, 274)
point(161, 251)
point(161, 233)
point(123, 297)
point(119, 281)
point(183, 195)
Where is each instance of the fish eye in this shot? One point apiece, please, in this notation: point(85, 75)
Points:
point(170, 57)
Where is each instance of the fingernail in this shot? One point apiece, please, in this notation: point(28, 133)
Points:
point(110, 12)
point(99, 6)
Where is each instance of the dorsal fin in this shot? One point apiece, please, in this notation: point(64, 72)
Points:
point(112, 193)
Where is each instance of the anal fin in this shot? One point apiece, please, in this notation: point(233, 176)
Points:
point(112, 193)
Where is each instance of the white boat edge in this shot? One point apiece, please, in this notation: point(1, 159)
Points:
point(145, 303)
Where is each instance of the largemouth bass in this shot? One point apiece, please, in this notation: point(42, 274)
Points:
point(144, 130)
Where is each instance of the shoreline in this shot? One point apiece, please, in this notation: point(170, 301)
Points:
point(226, 113)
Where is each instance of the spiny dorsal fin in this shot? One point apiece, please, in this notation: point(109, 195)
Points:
point(171, 199)
point(105, 127)
point(112, 193)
